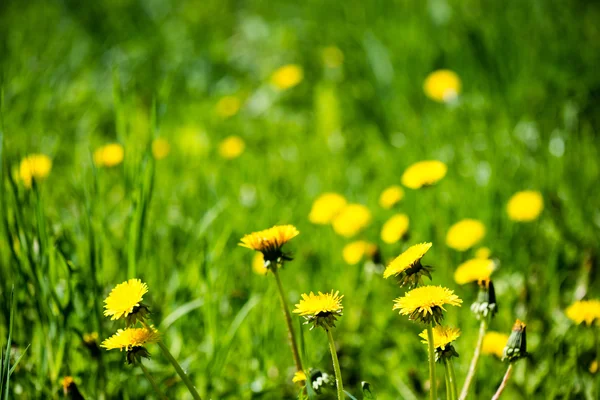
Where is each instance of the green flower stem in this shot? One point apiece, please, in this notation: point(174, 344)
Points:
point(288, 321)
point(448, 391)
point(152, 382)
point(336, 367)
point(504, 382)
point(473, 367)
point(432, 379)
point(451, 377)
point(177, 367)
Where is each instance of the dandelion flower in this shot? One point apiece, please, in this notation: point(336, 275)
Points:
point(586, 311)
point(356, 251)
point(34, 166)
point(133, 341)
point(442, 86)
point(299, 376)
point(394, 228)
point(321, 309)
point(443, 337)
point(426, 303)
point(287, 77)
point(465, 234)
point(332, 57)
point(525, 206)
point(391, 196)
point(352, 219)
point(424, 173)
point(593, 367)
point(258, 264)
point(109, 155)
point(516, 347)
point(494, 343)
point(483, 252)
point(326, 207)
point(70, 389)
point(231, 147)
point(407, 266)
point(160, 148)
point(473, 270)
point(125, 300)
point(228, 106)
point(270, 242)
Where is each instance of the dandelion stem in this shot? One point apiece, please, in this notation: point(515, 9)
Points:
point(504, 382)
point(152, 382)
point(288, 321)
point(473, 367)
point(177, 367)
point(451, 377)
point(448, 390)
point(336, 367)
point(432, 379)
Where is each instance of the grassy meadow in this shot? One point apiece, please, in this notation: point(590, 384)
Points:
point(218, 142)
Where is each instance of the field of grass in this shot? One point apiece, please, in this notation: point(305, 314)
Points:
point(75, 76)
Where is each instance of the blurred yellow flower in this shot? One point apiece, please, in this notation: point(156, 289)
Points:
point(474, 270)
point(258, 264)
point(442, 86)
point(125, 298)
point(352, 219)
point(131, 337)
point(424, 173)
point(483, 252)
point(299, 376)
point(465, 234)
point(442, 336)
point(390, 196)
point(356, 251)
point(228, 106)
point(109, 155)
point(593, 367)
point(160, 148)
point(426, 303)
point(192, 140)
point(494, 343)
point(270, 242)
point(332, 57)
point(586, 311)
point(287, 76)
point(34, 166)
point(394, 228)
point(525, 206)
point(231, 147)
point(326, 207)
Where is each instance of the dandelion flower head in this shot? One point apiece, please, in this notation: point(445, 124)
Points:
point(125, 299)
point(391, 196)
point(126, 339)
point(287, 77)
point(465, 234)
point(442, 85)
point(525, 206)
point(424, 173)
point(270, 242)
point(586, 311)
point(426, 303)
point(109, 155)
point(351, 220)
point(355, 251)
point(394, 228)
point(320, 309)
point(34, 166)
point(160, 148)
point(326, 207)
point(228, 106)
point(231, 147)
point(474, 270)
point(407, 266)
point(442, 336)
point(494, 343)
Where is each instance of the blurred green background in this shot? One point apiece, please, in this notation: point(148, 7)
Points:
point(78, 75)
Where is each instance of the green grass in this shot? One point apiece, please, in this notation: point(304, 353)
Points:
point(75, 76)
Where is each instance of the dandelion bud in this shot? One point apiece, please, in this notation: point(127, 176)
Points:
point(70, 389)
point(485, 306)
point(516, 347)
point(320, 380)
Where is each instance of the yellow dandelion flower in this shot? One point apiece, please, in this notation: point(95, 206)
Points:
point(442, 86)
point(525, 206)
point(34, 166)
point(352, 219)
point(125, 300)
point(299, 376)
point(326, 207)
point(356, 251)
point(442, 336)
point(586, 311)
point(426, 303)
point(332, 57)
point(483, 252)
point(126, 339)
point(231, 147)
point(391, 196)
point(160, 148)
point(228, 106)
point(593, 367)
point(394, 228)
point(321, 309)
point(287, 77)
point(465, 234)
point(258, 264)
point(424, 173)
point(407, 266)
point(67, 382)
point(474, 270)
point(109, 155)
point(494, 343)
point(90, 338)
point(70, 389)
point(270, 242)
